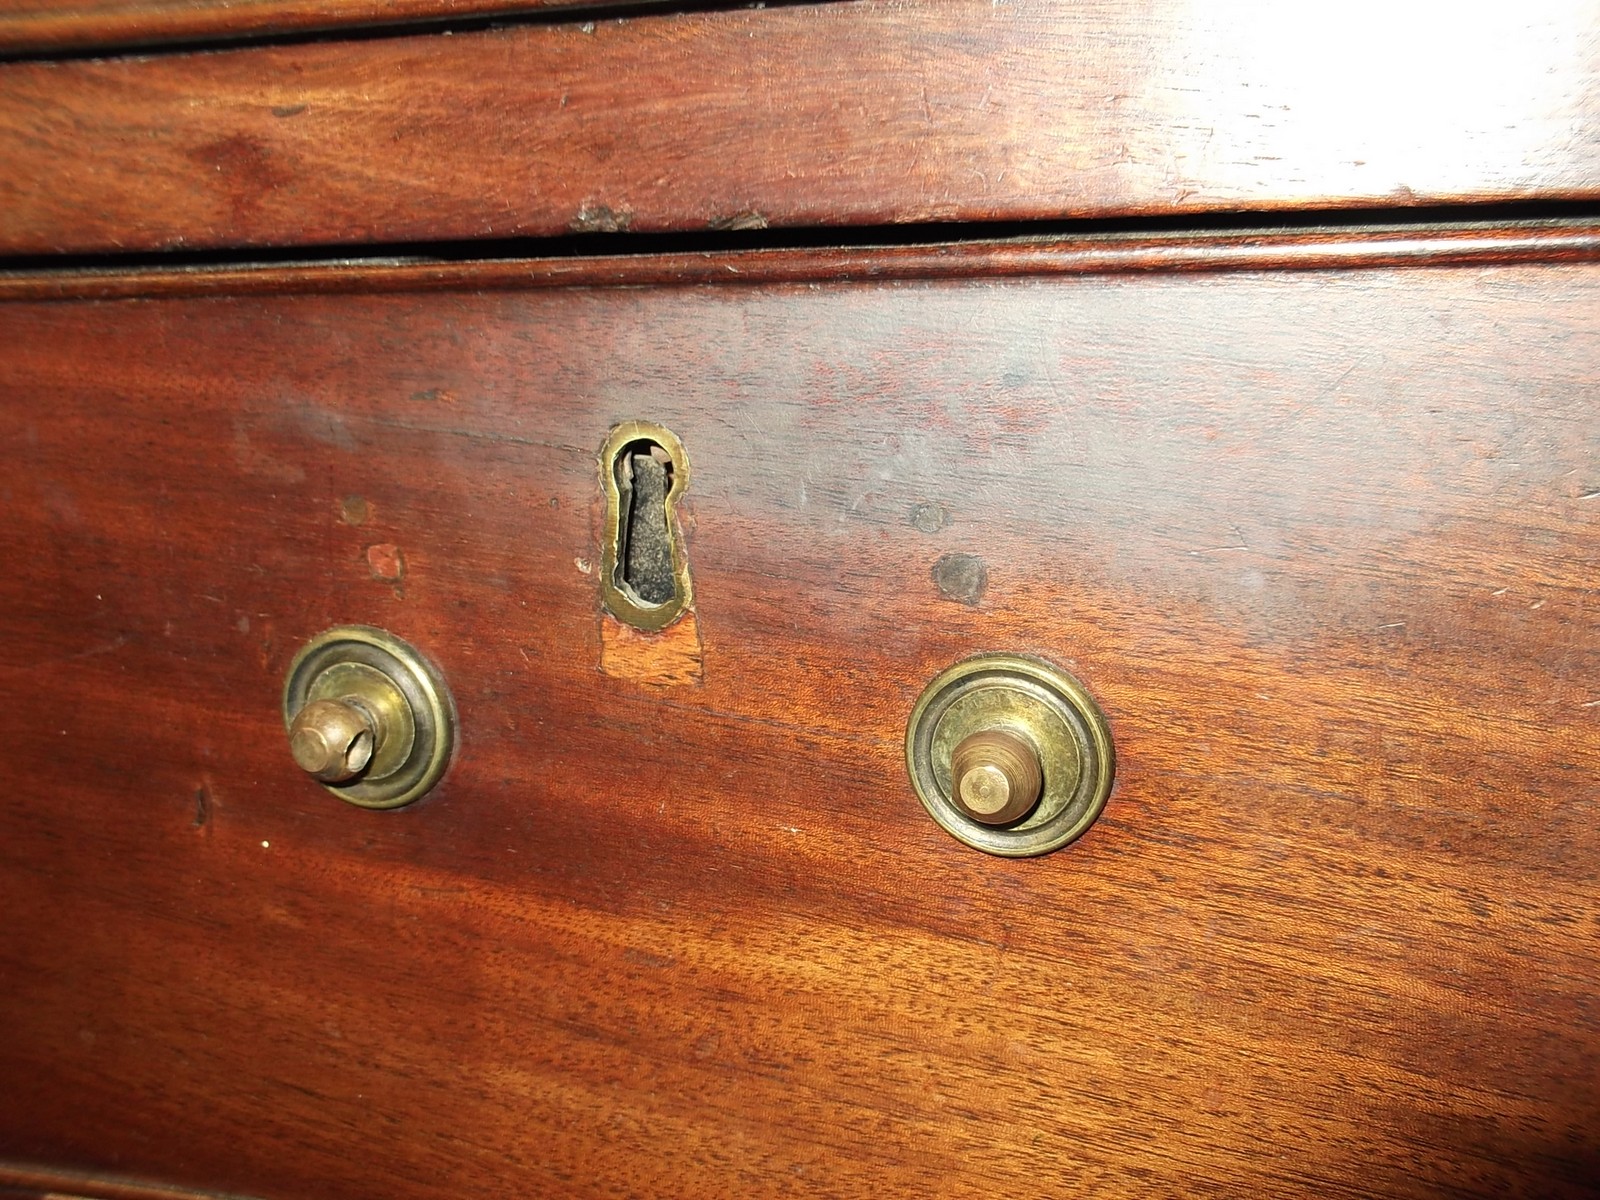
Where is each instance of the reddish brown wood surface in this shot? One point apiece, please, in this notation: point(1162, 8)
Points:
point(1322, 543)
point(40, 25)
point(835, 114)
point(1551, 241)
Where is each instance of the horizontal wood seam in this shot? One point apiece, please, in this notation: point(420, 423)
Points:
point(1555, 242)
point(70, 31)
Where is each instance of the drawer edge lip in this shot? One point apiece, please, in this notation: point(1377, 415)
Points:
point(65, 1183)
point(1238, 252)
point(73, 29)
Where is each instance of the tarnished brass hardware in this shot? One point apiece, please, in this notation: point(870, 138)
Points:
point(995, 776)
point(1010, 754)
point(332, 739)
point(644, 571)
point(368, 716)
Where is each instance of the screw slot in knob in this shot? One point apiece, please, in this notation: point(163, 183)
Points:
point(332, 740)
point(996, 776)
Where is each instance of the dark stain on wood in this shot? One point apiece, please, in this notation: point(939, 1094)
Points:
point(961, 577)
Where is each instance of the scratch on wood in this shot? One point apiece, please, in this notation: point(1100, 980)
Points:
point(600, 218)
point(114, 644)
point(738, 222)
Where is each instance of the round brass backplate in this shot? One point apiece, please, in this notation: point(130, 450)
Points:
point(402, 695)
point(1028, 699)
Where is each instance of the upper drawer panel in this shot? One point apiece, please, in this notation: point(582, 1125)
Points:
point(942, 110)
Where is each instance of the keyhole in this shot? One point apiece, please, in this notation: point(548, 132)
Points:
point(644, 535)
point(644, 577)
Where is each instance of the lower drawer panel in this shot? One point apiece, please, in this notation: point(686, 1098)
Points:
point(1322, 543)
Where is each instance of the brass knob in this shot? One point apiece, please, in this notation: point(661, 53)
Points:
point(1009, 754)
point(368, 716)
point(333, 740)
point(997, 776)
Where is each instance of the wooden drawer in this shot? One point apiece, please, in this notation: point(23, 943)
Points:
point(1313, 517)
point(880, 112)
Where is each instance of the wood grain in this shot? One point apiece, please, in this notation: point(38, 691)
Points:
point(79, 25)
point(883, 111)
point(671, 657)
point(1322, 544)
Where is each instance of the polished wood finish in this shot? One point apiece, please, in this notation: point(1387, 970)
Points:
point(78, 25)
point(882, 111)
point(1322, 543)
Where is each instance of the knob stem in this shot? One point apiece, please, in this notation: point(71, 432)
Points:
point(996, 776)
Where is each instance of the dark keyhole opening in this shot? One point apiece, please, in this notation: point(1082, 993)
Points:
point(644, 536)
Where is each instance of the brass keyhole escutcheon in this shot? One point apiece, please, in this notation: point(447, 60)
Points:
point(368, 717)
point(1010, 754)
point(644, 568)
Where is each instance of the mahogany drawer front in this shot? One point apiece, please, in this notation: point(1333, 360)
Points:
point(836, 114)
point(1322, 543)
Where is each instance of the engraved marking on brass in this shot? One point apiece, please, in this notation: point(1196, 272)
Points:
point(644, 571)
point(1010, 754)
point(368, 716)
